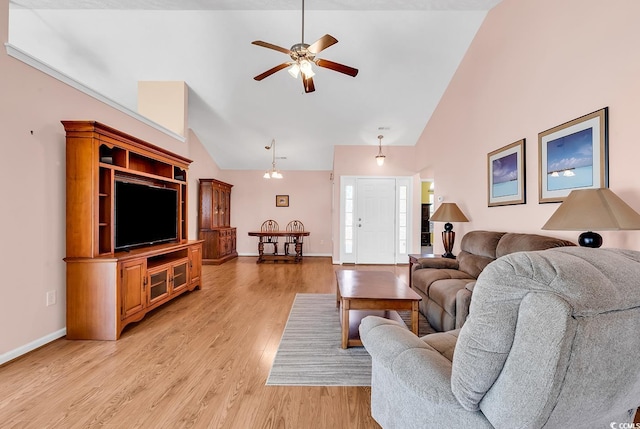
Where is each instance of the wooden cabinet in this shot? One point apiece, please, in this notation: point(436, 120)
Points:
point(109, 286)
point(195, 266)
point(133, 283)
point(215, 222)
point(167, 279)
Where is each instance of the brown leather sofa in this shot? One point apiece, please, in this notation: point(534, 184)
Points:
point(446, 285)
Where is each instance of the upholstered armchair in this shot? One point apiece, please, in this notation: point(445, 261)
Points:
point(551, 341)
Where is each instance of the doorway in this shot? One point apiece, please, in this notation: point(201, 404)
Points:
point(375, 220)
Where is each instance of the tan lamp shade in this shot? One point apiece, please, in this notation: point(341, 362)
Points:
point(449, 212)
point(593, 210)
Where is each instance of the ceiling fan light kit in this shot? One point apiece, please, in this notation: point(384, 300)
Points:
point(302, 57)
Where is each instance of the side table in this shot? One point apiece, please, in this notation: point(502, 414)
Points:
point(413, 259)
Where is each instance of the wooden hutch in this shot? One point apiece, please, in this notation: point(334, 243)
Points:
point(109, 288)
point(215, 222)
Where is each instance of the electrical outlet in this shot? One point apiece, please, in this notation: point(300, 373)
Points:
point(51, 298)
point(321, 241)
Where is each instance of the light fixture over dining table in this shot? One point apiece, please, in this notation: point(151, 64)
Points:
point(380, 157)
point(273, 173)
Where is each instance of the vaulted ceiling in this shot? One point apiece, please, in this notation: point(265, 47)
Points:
point(406, 52)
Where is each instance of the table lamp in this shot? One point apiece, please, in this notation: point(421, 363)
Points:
point(448, 212)
point(593, 209)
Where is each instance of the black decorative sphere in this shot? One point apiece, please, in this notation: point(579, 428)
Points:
point(448, 226)
point(590, 239)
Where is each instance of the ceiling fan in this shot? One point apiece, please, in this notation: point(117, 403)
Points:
point(302, 56)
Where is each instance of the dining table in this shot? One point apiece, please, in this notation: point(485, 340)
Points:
point(297, 239)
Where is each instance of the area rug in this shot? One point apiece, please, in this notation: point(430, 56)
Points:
point(310, 353)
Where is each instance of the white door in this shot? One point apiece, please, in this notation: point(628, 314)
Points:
point(375, 221)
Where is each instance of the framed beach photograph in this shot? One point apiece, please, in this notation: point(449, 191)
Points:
point(506, 175)
point(573, 155)
point(282, 200)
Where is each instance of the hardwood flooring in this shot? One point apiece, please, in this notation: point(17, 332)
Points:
point(200, 361)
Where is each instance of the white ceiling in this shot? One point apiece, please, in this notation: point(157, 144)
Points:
point(406, 51)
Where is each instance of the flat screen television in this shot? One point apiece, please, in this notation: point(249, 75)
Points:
point(144, 215)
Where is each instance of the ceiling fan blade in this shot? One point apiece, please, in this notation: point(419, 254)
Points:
point(272, 71)
point(337, 67)
point(308, 85)
point(322, 43)
point(271, 46)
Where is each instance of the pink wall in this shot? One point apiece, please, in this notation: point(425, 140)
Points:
point(535, 64)
point(32, 177)
point(361, 161)
point(253, 200)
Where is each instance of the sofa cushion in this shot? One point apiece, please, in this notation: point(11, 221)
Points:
point(481, 243)
point(477, 249)
point(424, 278)
point(514, 242)
point(444, 293)
point(443, 342)
point(472, 264)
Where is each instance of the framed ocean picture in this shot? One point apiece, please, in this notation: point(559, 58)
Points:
point(573, 155)
point(506, 175)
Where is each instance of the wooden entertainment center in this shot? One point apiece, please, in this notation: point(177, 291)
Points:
point(110, 287)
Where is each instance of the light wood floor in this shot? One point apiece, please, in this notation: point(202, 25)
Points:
point(200, 361)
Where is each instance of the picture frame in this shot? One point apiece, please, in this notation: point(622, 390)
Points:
point(573, 155)
point(506, 175)
point(282, 200)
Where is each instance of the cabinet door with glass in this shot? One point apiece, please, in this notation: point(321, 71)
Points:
point(179, 275)
point(159, 281)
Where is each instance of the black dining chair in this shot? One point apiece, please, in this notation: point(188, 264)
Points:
point(293, 226)
point(268, 226)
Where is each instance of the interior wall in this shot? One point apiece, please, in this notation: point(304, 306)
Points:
point(32, 179)
point(361, 161)
point(535, 64)
point(253, 200)
point(166, 103)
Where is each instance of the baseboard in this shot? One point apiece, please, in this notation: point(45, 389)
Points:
point(16, 353)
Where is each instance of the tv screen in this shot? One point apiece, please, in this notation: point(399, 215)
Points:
point(144, 215)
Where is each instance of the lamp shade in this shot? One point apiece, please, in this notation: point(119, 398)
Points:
point(449, 212)
point(593, 210)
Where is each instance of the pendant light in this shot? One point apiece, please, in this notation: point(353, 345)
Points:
point(273, 173)
point(380, 157)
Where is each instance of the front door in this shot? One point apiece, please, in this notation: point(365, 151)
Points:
point(375, 221)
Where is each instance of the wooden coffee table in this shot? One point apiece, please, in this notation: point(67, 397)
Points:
point(376, 292)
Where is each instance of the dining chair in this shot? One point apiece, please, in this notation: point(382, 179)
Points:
point(293, 226)
point(268, 226)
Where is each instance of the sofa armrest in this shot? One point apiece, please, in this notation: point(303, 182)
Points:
point(436, 263)
point(463, 301)
point(417, 366)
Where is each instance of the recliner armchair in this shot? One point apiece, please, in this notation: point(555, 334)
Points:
point(551, 341)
